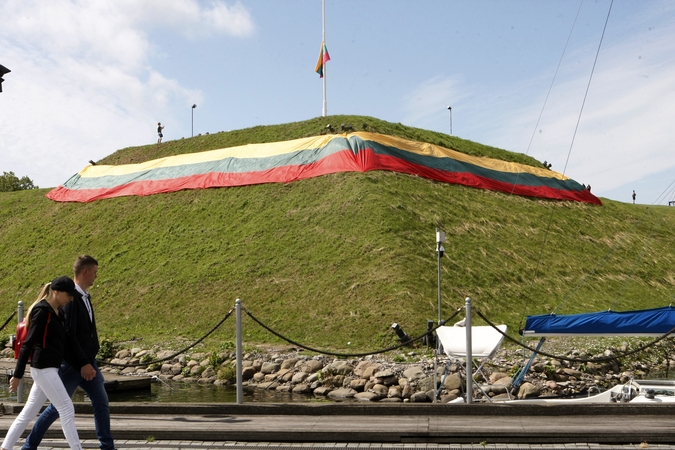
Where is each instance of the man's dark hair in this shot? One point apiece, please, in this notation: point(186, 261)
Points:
point(82, 262)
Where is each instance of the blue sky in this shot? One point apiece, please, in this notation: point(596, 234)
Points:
point(92, 76)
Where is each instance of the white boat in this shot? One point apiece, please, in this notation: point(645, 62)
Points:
point(486, 340)
point(634, 391)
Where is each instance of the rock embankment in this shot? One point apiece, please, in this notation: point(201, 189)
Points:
point(383, 380)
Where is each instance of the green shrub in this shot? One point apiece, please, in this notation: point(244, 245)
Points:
point(227, 373)
point(399, 358)
point(107, 349)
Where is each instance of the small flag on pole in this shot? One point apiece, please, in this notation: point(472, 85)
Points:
point(324, 57)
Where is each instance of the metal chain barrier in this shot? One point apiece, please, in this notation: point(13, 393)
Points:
point(582, 360)
point(345, 355)
point(7, 321)
point(229, 313)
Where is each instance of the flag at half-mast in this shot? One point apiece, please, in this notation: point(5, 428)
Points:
point(324, 57)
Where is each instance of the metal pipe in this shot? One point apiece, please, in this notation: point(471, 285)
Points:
point(240, 386)
point(436, 386)
point(469, 356)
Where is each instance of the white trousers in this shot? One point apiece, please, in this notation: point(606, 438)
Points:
point(46, 385)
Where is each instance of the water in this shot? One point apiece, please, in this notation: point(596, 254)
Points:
point(168, 392)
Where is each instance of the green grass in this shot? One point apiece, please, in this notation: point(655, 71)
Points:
point(333, 259)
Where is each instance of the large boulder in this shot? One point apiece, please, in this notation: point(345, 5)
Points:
point(367, 396)
point(299, 377)
point(302, 389)
point(380, 389)
point(419, 397)
point(311, 366)
point(288, 363)
point(426, 384)
point(528, 390)
point(370, 370)
point(414, 373)
point(358, 384)
point(342, 393)
point(339, 368)
point(270, 367)
point(321, 390)
point(361, 367)
point(386, 377)
point(452, 382)
point(394, 392)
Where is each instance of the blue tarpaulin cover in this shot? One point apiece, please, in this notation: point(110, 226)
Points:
point(646, 322)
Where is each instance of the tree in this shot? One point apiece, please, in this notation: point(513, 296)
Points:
point(10, 182)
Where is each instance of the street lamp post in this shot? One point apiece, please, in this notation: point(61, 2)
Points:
point(450, 109)
point(440, 239)
point(193, 119)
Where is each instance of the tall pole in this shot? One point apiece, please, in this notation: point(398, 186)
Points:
point(240, 386)
point(440, 238)
point(450, 109)
point(323, 40)
point(469, 356)
point(193, 119)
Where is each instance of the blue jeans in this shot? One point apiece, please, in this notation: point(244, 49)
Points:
point(99, 400)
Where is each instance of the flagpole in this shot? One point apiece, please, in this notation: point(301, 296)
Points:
point(323, 39)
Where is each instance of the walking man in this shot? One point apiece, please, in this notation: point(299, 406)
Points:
point(160, 127)
point(81, 323)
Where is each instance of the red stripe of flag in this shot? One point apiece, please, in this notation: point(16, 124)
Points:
point(324, 57)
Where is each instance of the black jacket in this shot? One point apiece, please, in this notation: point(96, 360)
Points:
point(48, 349)
point(83, 332)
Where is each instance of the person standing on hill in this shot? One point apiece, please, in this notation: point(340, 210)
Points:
point(81, 325)
point(46, 345)
point(160, 127)
point(634, 196)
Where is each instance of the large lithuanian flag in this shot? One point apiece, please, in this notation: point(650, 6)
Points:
point(284, 162)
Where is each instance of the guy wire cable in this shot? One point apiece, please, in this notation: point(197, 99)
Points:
point(576, 128)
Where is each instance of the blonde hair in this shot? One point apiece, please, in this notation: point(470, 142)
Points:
point(45, 292)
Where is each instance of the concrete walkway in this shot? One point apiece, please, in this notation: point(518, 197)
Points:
point(54, 444)
point(369, 425)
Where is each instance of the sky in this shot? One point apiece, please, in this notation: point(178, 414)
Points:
point(588, 86)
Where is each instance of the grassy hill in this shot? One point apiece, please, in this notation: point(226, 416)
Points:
point(333, 259)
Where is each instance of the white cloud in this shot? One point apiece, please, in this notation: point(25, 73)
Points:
point(81, 84)
point(424, 102)
point(192, 19)
point(625, 132)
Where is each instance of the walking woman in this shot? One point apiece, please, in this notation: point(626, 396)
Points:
point(45, 346)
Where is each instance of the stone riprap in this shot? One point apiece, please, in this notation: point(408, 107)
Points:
point(383, 380)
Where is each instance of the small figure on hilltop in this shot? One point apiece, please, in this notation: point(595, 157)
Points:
point(160, 127)
point(634, 195)
point(588, 188)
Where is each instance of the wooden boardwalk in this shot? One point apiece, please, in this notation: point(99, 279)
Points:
point(385, 424)
point(360, 423)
